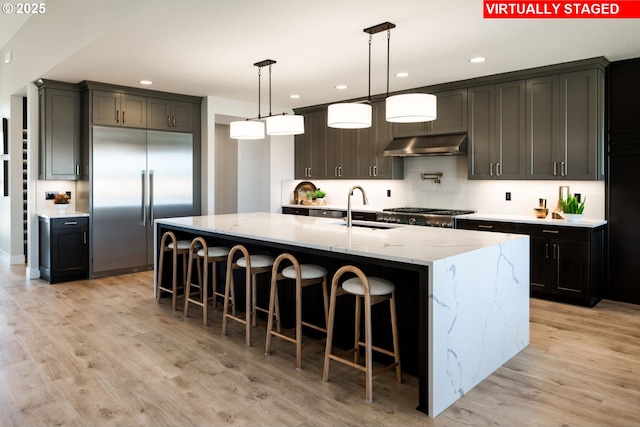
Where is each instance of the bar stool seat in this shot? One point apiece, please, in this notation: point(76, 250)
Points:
point(200, 250)
point(254, 265)
point(373, 290)
point(304, 275)
point(177, 248)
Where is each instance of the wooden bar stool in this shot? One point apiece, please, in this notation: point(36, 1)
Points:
point(304, 275)
point(199, 250)
point(176, 247)
point(253, 265)
point(374, 290)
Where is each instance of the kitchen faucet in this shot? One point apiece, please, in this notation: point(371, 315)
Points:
point(364, 200)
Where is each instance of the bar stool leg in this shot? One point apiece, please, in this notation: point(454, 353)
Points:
point(358, 330)
point(396, 341)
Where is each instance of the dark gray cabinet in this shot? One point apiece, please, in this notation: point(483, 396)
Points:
point(164, 114)
point(496, 131)
point(566, 263)
point(64, 253)
point(119, 109)
point(59, 111)
point(341, 152)
point(371, 163)
point(451, 117)
point(565, 119)
point(310, 147)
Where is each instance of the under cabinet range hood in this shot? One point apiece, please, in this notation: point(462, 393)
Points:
point(428, 145)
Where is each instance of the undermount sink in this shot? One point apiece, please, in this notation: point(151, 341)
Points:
point(369, 224)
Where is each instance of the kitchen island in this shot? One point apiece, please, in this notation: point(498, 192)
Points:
point(469, 290)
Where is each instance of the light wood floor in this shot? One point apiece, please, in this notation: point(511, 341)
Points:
point(101, 352)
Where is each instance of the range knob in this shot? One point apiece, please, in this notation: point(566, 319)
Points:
point(412, 221)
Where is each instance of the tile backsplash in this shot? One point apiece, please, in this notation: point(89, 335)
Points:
point(456, 191)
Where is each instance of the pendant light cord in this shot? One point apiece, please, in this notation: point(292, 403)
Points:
point(369, 96)
point(269, 90)
point(388, 52)
point(259, 79)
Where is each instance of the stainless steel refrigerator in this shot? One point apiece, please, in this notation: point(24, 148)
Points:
point(137, 175)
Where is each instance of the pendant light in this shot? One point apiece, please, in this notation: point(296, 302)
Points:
point(408, 107)
point(282, 124)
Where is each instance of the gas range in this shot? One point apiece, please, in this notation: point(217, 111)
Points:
point(429, 217)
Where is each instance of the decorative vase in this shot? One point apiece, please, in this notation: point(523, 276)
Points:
point(572, 217)
point(62, 208)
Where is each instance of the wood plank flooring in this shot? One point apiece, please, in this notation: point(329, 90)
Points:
point(103, 353)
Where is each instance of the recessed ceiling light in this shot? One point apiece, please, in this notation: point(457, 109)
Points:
point(294, 96)
point(341, 87)
point(402, 74)
point(477, 59)
point(145, 82)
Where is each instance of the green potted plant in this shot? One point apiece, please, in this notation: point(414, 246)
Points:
point(320, 195)
point(572, 208)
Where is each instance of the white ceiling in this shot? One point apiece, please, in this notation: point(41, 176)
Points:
point(202, 47)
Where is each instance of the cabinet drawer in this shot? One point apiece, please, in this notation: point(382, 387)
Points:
point(497, 226)
point(69, 223)
point(555, 232)
point(295, 211)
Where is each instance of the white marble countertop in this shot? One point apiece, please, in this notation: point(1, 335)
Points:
point(68, 214)
point(354, 207)
point(525, 219)
point(414, 245)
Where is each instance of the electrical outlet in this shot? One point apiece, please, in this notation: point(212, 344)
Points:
point(578, 196)
point(507, 196)
point(388, 193)
point(50, 195)
point(68, 194)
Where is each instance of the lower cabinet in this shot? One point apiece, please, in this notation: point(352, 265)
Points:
point(566, 264)
point(64, 253)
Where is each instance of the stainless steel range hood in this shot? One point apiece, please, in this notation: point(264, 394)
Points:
point(435, 145)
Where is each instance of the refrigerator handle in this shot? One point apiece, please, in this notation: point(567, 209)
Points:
point(143, 211)
point(151, 197)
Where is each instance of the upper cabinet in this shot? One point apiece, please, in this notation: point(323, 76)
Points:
point(371, 144)
point(59, 111)
point(497, 131)
point(565, 125)
point(452, 117)
point(163, 114)
point(310, 147)
point(119, 109)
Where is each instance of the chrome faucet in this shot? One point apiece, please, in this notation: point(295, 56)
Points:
point(364, 200)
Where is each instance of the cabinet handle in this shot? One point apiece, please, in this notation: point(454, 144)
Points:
point(556, 251)
point(370, 171)
point(117, 116)
point(123, 117)
point(151, 214)
point(71, 223)
point(490, 169)
point(546, 251)
point(77, 169)
point(168, 121)
point(309, 172)
point(335, 171)
point(487, 227)
point(550, 231)
point(562, 169)
point(84, 237)
point(339, 170)
point(375, 170)
point(555, 168)
point(174, 121)
point(498, 169)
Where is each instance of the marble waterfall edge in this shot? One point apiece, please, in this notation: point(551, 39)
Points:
point(478, 316)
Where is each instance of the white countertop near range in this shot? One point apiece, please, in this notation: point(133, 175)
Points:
point(526, 219)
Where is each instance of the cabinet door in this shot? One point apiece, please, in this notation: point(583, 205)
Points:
point(571, 272)
point(133, 111)
point(482, 134)
point(348, 153)
point(68, 252)
point(451, 117)
point(579, 125)
point(366, 141)
point(106, 108)
point(540, 264)
point(158, 114)
point(310, 147)
point(334, 157)
point(182, 116)
point(542, 127)
point(60, 146)
point(510, 130)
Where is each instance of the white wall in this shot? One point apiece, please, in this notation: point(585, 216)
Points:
point(455, 191)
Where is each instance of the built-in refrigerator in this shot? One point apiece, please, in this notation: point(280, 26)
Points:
point(137, 176)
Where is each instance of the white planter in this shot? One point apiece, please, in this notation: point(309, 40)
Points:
point(61, 208)
point(572, 217)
